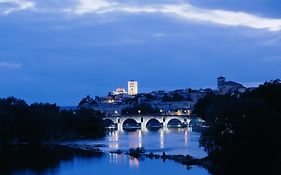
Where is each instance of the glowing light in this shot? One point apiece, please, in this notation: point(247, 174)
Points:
point(178, 113)
point(140, 138)
point(119, 91)
point(110, 101)
point(162, 139)
point(132, 87)
point(115, 146)
point(113, 158)
point(185, 136)
point(133, 162)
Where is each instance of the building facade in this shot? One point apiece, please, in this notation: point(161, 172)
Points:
point(119, 91)
point(228, 87)
point(132, 87)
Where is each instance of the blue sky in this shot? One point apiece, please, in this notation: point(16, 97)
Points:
point(61, 50)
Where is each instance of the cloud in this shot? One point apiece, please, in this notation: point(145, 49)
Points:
point(86, 6)
point(10, 65)
point(273, 59)
point(182, 10)
point(179, 9)
point(159, 35)
point(274, 41)
point(9, 6)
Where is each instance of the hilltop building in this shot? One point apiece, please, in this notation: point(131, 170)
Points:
point(228, 87)
point(132, 87)
point(168, 102)
point(119, 91)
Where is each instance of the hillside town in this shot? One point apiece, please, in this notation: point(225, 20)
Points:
point(177, 102)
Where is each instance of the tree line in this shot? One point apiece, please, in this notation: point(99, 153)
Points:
point(244, 134)
point(143, 108)
point(41, 122)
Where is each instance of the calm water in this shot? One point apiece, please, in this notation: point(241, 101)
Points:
point(172, 141)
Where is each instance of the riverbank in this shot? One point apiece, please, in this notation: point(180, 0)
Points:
point(30, 156)
point(41, 157)
point(140, 153)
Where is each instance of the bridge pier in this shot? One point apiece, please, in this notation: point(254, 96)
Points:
point(119, 126)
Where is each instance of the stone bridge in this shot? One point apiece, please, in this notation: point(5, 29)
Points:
point(142, 120)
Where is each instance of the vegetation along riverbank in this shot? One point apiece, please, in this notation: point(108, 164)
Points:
point(243, 136)
point(38, 123)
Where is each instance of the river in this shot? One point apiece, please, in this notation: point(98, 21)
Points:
point(171, 141)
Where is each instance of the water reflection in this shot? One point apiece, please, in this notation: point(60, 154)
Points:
point(37, 159)
point(185, 137)
point(140, 138)
point(134, 163)
point(172, 141)
point(56, 161)
point(161, 139)
point(113, 140)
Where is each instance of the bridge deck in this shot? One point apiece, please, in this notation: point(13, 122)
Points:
point(148, 115)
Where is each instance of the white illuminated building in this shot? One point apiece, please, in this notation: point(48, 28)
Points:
point(119, 91)
point(132, 87)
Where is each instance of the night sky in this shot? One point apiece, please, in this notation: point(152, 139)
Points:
point(62, 50)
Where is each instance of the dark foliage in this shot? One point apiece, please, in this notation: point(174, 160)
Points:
point(36, 123)
point(174, 97)
point(141, 109)
point(136, 153)
point(244, 134)
point(88, 123)
point(42, 159)
point(149, 97)
point(87, 101)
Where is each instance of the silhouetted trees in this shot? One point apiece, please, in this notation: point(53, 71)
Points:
point(87, 101)
point(143, 108)
point(174, 97)
point(244, 130)
point(36, 123)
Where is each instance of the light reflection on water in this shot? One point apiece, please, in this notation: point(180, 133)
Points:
point(171, 141)
point(123, 164)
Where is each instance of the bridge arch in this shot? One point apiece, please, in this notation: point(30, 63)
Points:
point(108, 122)
point(176, 122)
point(130, 122)
point(153, 123)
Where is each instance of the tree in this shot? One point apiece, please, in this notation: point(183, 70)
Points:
point(11, 109)
point(143, 108)
point(89, 123)
point(243, 130)
point(87, 101)
point(41, 122)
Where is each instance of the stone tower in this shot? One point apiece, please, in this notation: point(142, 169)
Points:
point(221, 81)
point(132, 87)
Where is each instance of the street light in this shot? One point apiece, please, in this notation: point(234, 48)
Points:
point(139, 111)
point(161, 110)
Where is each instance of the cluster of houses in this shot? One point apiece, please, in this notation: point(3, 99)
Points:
point(179, 101)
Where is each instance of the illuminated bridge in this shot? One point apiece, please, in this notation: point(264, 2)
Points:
point(146, 121)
